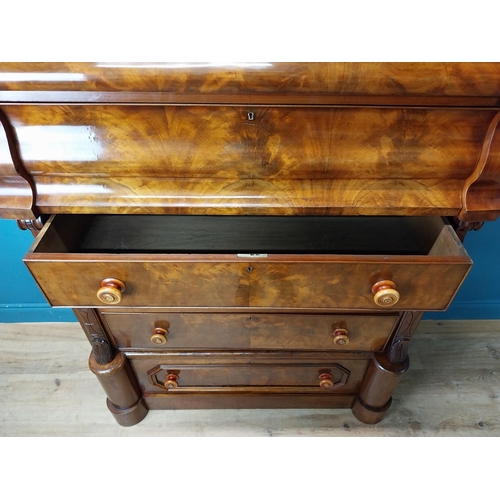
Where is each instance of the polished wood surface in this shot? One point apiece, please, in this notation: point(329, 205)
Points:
point(282, 138)
point(111, 291)
point(200, 374)
point(451, 389)
point(250, 331)
point(301, 140)
point(181, 159)
point(305, 281)
point(17, 191)
point(222, 143)
point(481, 190)
point(424, 282)
point(181, 82)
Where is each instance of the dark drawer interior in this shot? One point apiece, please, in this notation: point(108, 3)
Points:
point(186, 234)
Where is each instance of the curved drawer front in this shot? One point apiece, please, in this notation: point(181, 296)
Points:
point(249, 331)
point(190, 159)
point(191, 375)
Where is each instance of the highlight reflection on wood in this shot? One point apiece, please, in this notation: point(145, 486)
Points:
point(244, 210)
point(288, 160)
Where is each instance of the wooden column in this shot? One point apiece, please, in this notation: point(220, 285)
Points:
point(385, 371)
point(113, 371)
point(124, 396)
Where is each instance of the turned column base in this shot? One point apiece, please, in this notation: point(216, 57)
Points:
point(368, 414)
point(375, 394)
point(128, 416)
point(124, 396)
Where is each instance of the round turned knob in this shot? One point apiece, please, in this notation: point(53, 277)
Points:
point(171, 381)
point(340, 336)
point(325, 381)
point(385, 293)
point(111, 291)
point(159, 336)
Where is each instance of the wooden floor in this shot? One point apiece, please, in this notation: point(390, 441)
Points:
point(451, 389)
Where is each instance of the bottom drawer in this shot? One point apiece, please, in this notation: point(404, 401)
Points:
point(204, 374)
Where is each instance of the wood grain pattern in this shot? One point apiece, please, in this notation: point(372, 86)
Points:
point(245, 331)
point(452, 389)
point(262, 138)
point(221, 143)
point(183, 159)
point(326, 138)
point(428, 79)
point(148, 283)
point(482, 189)
point(131, 195)
point(426, 285)
point(17, 189)
point(425, 282)
point(202, 374)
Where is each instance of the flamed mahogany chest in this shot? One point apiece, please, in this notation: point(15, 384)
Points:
point(251, 236)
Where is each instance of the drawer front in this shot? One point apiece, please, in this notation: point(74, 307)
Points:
point(162, 375)
point(182, 284)
point(249, 331)
point(71, 274)
point(426, 285)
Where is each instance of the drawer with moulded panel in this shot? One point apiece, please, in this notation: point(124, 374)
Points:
point(291, 262)
point(258, 374)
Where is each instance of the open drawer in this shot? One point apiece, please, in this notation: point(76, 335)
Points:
point(337, 263)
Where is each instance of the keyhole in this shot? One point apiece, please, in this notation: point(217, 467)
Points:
point(249, 269)
point(250, 115)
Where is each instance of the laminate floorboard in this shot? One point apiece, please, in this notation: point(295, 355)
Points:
point(451, 389)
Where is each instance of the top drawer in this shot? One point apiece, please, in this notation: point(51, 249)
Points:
point(336, 263)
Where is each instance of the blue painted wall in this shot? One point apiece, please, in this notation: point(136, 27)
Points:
point(20, 298)
point(22, 301)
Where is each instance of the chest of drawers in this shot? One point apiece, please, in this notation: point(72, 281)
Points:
point(248, 311)
point(269, 241)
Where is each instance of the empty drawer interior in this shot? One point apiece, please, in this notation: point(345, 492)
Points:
point(137, 234)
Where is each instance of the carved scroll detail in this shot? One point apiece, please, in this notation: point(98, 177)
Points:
point(481, 192)
point(462, 227)
point(103, 351)
point(398, 348)
point(17, 189)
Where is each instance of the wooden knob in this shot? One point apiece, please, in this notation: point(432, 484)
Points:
point(171, 381)
point(159, 336)
point(340, 336)
point(325, 381)
point(385, 293)
point(111, 291)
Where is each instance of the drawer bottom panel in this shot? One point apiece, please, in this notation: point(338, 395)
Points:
point(245, 401)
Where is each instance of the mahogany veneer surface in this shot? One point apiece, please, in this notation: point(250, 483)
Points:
point(282, 225)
